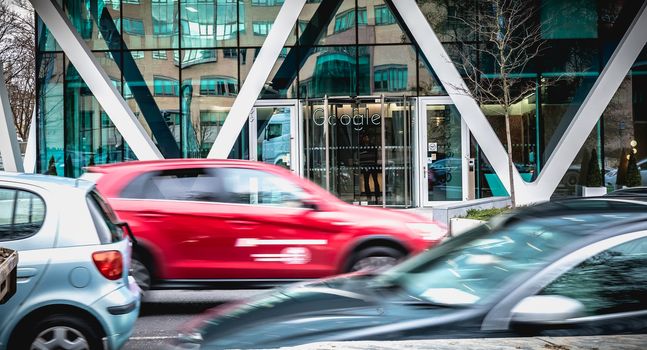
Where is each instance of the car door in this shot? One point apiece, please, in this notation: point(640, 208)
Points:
point(603, 293)
point(272, 233)
point(25, 229)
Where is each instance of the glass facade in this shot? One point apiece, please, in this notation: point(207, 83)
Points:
point(180, 64)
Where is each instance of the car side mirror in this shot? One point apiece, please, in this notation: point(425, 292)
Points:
point(546, 309)
point(311, 203)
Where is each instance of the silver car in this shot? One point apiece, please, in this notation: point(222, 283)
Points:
point(73, 289)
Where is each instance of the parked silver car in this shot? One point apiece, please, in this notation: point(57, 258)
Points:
point(73, 289)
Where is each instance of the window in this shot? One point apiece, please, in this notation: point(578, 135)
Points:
point(197, 184)
point(383, 16)
point(192, 57)
point(610, 282)
point(136, 55)
point(132, 26)
point(229, 53)
point(212, 118)
point(21, 214)
point(261, 28)
point(165, 86)
point(218, 86)
point(163, 13)
point(159, 54)
point(390, 78)
point(267, 2)
point(248, 186)
point(105, 220)
point(346, 20)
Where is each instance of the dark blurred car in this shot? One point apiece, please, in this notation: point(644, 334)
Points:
point(576, 267)
point(226, 221)
point(629, 192)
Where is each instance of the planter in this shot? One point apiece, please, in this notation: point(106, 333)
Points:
point(460, 225)
point(8, 267)
point(593, 191)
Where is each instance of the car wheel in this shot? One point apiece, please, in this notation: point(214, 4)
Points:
point(374, 258)
point(60, 331)
point(141, 273)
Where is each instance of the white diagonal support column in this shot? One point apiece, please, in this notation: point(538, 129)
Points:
point(571, 142)
point(458, 91)
point(29, 161)
point(256, 78)
point(9, 148)
point(96, 79)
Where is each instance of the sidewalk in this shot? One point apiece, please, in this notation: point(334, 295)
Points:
point(625, 342)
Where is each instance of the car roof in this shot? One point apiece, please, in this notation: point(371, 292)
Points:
point(629, 191)
point(178, 162)
point(564, 213)
point(44, 180)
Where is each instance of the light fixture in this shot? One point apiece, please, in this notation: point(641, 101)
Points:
point(628, 157)
point(633, 143)
point(635, 150)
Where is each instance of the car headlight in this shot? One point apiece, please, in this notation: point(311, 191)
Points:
point(429, 232)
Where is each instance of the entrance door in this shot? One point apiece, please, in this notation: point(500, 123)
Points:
point(275, 125)
point(443, 154)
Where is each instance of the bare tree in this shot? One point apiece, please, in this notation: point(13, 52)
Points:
point(203, 134)
point(18, 57)
point(508, 40)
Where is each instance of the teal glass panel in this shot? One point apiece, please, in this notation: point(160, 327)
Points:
point(150, 24)
point(51, 116)
point(329, 71)
point(210, 23)
point(258, 18)
point(449, 18)
point(282, 81)
point(428, 82)
point(328, 23)
point(209, 88)
point(44, 38)
point(378, 25)
point(85, 16)
point(90, 137)
point(393, 71)
point(574, 19)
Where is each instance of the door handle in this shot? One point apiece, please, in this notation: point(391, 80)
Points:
point(242, 224)
point(151, 215)
point(25, 272)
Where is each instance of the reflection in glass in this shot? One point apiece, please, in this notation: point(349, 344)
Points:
point(380, 25)
point(329, 71)
point(210, 23)
point(150, 24)
point(85, 14)
point(51, 115)
point(259, 17)
point(444, 160)
point(273, 135)
point(329, 23)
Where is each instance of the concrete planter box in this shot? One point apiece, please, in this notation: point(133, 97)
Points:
point(460, 225)
point(593, 191)
point(8, 267)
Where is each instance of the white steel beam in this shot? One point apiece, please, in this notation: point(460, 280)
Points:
point(29, 161)
point(256, 78)
point(9, 148)
point(96, 79)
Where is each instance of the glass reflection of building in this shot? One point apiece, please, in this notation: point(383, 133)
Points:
point(179, 64)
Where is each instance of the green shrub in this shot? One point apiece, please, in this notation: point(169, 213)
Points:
point(594, 176)
point(485, 214)
point(633, 174)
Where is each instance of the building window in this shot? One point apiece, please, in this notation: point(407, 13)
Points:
point(132, 26)
point(136, 55)
point(346, 20)
point(164, 86)
point(390, 78)
point(159, 54)
point(163, 13)
point(267, 2)
point(192, 57)
point(383, 16)
point(218, 86)
point(261, 28)
point(229, 53)
point(212, 118)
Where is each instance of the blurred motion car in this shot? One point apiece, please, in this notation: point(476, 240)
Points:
point(249, 223)
point(628, 192)
point(73, 288)
point(573, 267)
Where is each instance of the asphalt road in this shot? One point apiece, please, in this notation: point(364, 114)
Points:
point(163, 312)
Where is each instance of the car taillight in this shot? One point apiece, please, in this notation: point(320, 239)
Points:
point(109, 263)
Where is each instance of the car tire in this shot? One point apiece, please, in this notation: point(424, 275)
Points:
point(373, 258)
point(59, 331)
point(141, 273)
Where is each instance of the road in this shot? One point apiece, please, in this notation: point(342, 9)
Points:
point(164, 311)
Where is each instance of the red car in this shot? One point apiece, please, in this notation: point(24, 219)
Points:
point(214, 221)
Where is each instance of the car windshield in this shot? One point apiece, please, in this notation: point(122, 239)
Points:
point(469, 269)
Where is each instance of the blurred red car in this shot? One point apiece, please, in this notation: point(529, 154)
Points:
point(216, 221)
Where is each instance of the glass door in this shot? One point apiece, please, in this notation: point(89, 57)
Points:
point(274, 125)
point(442, 152)
point(360, 149)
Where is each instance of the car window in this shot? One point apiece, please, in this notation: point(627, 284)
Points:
point(610, 282)
point(250, 186)
point(194, 184)
point(21, 214)
point(105, 220)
